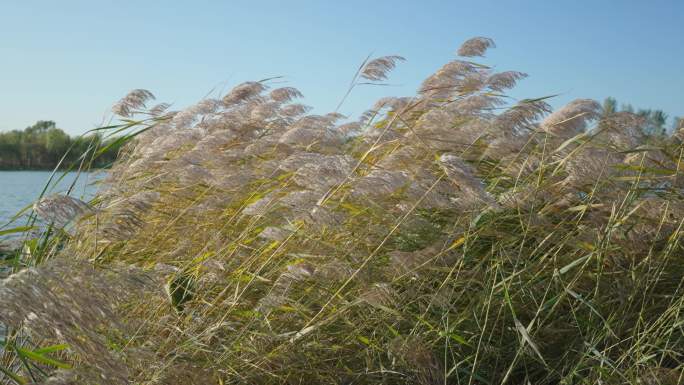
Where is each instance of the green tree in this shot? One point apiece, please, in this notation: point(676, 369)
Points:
point(57, 143)
point(40, 127)
point(43, 145)
point(609, 106)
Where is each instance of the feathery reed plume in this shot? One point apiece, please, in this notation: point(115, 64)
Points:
point(377, 69)
point(72, 302)
point(572, 118)
point(294, 110)
point(61, 209)
point(350, 128)
point(393, 104)
point(445, 81)
point(159, 109)
point(476, 46)
point(461, 174)
point(324, 172)
point(243, 92)
point(475, 105)
point(285, 94)
point(504, 80)
point(521, 117)
point(132, 103)
point(590, 166)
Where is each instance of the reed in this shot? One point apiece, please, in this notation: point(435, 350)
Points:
point(449, 237)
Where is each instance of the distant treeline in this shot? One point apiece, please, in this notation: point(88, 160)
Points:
point(42, 146)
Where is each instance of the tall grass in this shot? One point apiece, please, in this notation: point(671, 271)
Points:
point(452, 237)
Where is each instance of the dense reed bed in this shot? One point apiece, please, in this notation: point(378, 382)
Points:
point(451, 237)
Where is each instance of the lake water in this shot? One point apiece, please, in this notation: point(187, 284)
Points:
point(21, 188)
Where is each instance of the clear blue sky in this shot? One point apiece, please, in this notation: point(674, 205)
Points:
point(69, 61)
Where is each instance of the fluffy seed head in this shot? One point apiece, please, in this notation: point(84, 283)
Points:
point(504, 80)
point(476, 46)
point(377, 69)
point(243, 92)
point(133, 101)
point(61, 209)
point(285, 94)
point(522, 115)
point(294, 110)
point(572, 118)
point(447, 79)
point(159, 109)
